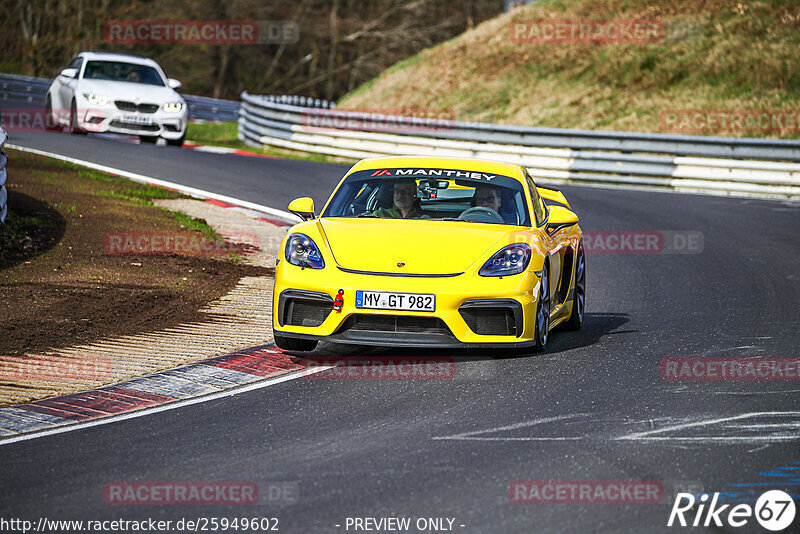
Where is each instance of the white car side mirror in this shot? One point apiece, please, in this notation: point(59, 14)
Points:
point(173, 83)
point(69, 73)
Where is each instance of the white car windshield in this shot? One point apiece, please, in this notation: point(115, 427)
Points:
point(119, 71)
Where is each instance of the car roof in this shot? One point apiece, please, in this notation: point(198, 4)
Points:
point(111, 56)
point(437, 162)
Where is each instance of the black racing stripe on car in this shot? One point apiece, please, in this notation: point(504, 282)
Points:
point(553, 228)
point(550, 202)
point(550, 187)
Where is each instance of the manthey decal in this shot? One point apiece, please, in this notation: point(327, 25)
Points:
point(440, 173)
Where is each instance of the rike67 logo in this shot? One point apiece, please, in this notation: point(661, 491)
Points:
point(774, 511)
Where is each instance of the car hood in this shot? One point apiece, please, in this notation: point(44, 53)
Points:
point(130, 91)
point(424, 247)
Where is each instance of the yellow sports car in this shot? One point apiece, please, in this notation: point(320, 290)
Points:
point(431, 252)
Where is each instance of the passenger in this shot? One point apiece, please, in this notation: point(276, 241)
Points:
point(406, 204)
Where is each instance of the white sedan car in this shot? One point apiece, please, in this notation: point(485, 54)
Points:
point(103, 92)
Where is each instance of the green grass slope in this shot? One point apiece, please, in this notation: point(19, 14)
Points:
point(716, 55)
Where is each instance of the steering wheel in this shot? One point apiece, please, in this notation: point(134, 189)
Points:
point(481, 214)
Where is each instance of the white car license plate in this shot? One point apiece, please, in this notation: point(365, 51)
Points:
point(384, 300)
point(137, 119)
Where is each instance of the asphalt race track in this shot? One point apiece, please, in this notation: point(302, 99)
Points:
point(593, 407)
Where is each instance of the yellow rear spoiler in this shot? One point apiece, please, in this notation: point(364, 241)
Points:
point(552, 193)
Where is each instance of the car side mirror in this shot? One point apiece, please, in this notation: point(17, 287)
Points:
point(173, 83)
point(69, 73)
point(558, 218)
point(302, 207)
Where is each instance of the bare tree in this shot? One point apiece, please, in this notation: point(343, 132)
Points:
point(342, 43)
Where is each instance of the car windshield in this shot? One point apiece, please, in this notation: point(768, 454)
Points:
point(432, 194)
point(119, 71)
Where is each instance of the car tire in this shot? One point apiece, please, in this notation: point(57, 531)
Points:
point(579, 293)
point(149, 139)
point(542, 318)
point(73, 119)
point(295, 344)
point(50, 123)
point(177, 142)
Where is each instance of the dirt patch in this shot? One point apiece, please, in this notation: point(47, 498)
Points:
point(60, 286)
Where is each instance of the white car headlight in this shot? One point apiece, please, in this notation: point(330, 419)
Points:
point(95, 99)
point(173, 107)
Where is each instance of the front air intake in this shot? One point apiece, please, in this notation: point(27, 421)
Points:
point(495, 317)
point(303, 308)
point(395, 323)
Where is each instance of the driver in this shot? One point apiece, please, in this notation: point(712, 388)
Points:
point(488, 196)
point(406, 204)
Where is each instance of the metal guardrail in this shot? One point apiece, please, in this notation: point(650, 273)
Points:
point(300, 101)
point(16, 90)
point(720, 165)
point(3, 175)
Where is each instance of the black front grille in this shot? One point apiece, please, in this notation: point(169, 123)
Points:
point(395, 323)
point(298, 312)
point(126, 105)
point(493, 318)
point(130, 126)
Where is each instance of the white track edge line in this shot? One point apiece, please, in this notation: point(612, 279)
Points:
point(141, 178)
point(164, 407)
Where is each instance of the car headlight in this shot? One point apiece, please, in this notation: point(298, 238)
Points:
point(95, 99)
point(173, 107)
point(303, 252)
point(509, 260)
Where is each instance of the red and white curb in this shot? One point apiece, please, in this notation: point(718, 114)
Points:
point(205, 380)
point(257, 211)
point(213, 149)
point(254, 214)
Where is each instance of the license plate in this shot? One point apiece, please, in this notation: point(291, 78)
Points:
point(384, 300)
point(137, 119)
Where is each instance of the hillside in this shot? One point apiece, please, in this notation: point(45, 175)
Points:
point(718, 55)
